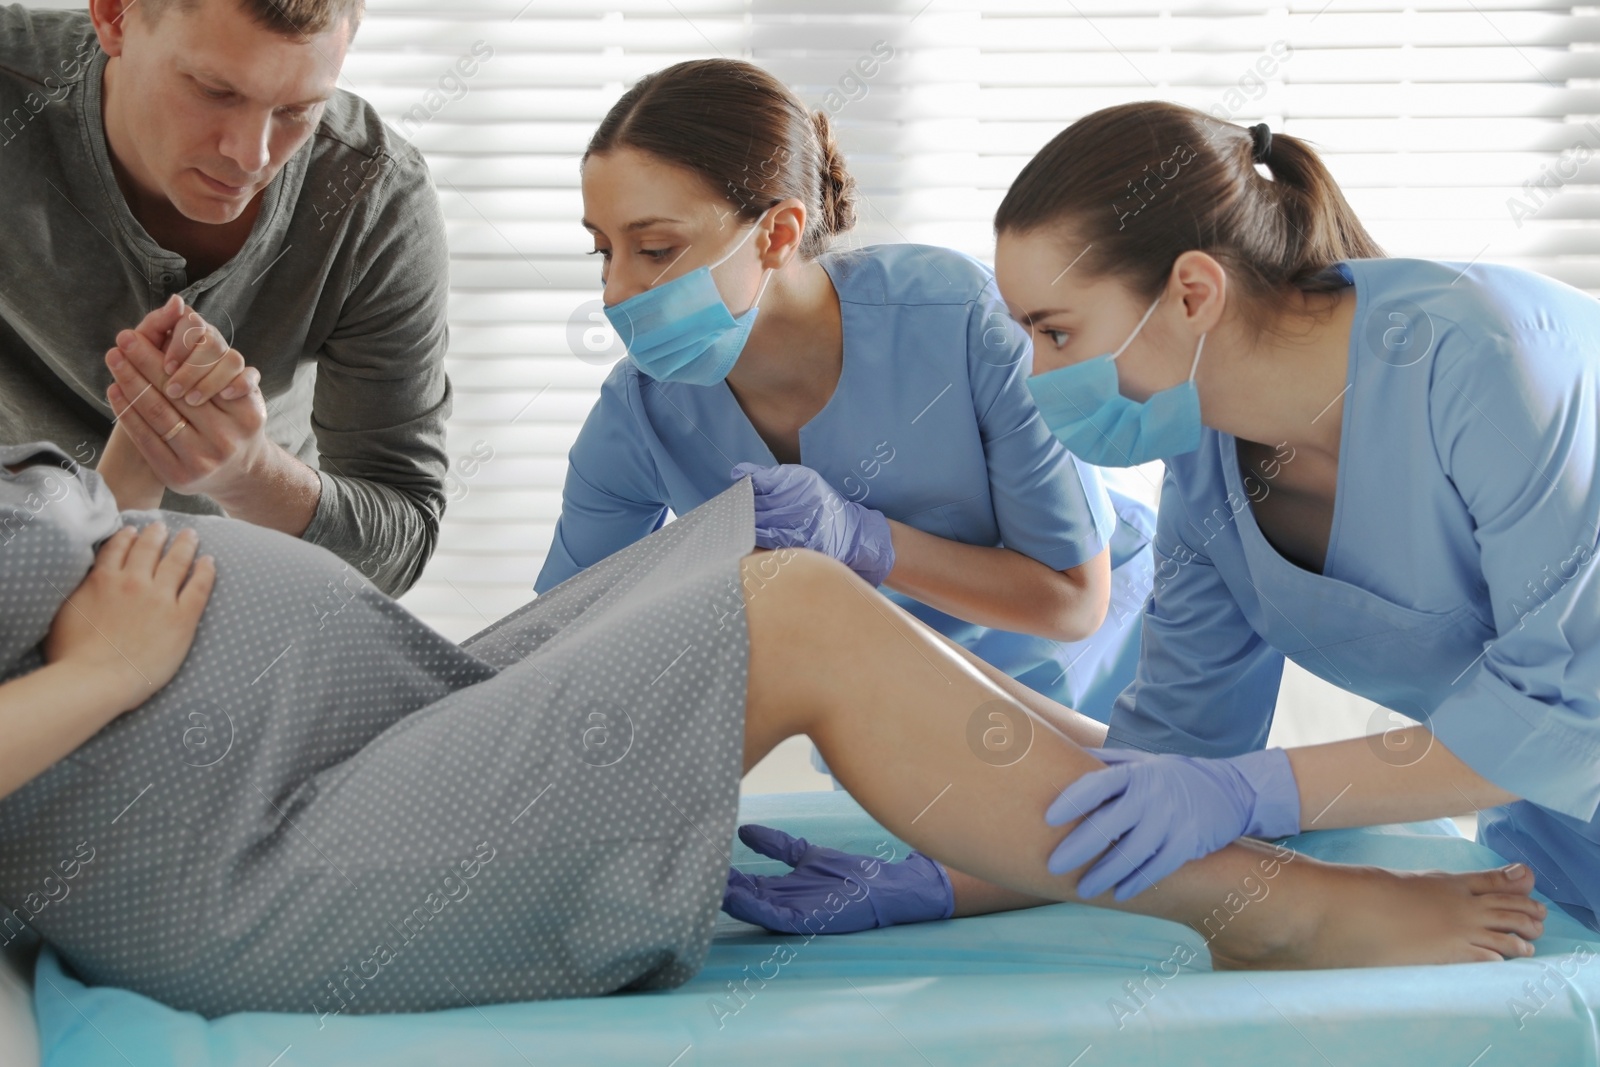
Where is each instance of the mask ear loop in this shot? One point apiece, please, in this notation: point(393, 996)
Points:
point(749, 234)
point(1196, 364)
point(1147, 313)
point(766, 273)
point(766, 276)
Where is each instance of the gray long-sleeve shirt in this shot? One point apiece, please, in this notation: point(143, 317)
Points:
point(338, 297)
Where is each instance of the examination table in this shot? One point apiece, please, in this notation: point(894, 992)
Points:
point(1060, 985)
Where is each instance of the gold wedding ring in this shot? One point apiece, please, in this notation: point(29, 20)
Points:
point(170, 434)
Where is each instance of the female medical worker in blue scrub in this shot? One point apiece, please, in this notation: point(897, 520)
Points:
point(878, 401)
point(1382, 469)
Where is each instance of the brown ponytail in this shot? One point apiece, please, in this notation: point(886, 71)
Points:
point(1140, 183)
point(745, 133)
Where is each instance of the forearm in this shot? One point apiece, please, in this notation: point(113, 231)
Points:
point(46, 714)
point(127, 475)
point(385, 533)
point(275, 490)
point(1369, 781)
point(999, 587)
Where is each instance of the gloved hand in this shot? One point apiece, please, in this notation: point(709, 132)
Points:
point(1164, 810)
point(796, 508)
point(915, 889)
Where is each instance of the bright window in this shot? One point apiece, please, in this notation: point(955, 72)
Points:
point(1434, 117)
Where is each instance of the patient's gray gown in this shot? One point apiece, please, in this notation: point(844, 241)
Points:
point(334, 808)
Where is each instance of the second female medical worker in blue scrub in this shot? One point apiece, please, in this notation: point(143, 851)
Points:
point(878, 399)
point(1383, 469)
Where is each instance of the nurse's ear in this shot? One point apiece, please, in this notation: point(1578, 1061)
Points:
point(1200, 284)
point(782, 231)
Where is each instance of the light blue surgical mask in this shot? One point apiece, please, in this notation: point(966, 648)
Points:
point(682, 331)
point(1088, 413)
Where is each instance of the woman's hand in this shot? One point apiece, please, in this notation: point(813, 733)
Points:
point(130, 623)
point(126, 473)
point(123, 467)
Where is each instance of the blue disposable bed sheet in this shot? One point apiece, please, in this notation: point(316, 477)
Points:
point(1045, 985)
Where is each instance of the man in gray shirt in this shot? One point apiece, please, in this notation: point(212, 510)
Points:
point(200, 148)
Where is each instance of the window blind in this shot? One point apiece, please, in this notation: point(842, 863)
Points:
point(1458, 129)
point(529, 346)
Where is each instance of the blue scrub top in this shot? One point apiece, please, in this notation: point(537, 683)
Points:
point(1457, 587)
point(931, 424)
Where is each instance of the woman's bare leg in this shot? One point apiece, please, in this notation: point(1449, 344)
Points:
point(892, 707)
point(1078, 727)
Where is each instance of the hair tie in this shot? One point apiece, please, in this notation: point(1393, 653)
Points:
point(1260, 142)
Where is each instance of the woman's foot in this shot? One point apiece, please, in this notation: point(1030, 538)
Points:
point(1337, 915)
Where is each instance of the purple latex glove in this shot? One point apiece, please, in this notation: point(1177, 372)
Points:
point(796, 508)
point(867, 891)
point(1164, 810)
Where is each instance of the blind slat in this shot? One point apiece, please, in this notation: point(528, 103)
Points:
point(1432, 115)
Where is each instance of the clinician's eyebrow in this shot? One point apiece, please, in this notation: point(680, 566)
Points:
point(1030, 317)
point(638, 224)
point(216, 81)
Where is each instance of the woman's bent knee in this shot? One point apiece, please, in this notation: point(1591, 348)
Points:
point(798, 605)
point(795, 580)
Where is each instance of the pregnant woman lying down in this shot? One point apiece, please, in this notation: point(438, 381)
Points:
point(237, 777)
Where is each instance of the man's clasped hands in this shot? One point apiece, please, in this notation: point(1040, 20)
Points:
point(189, 412)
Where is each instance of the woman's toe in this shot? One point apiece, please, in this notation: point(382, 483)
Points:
point(1514, 921)
point(1508, 946)
point(1516, 878)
